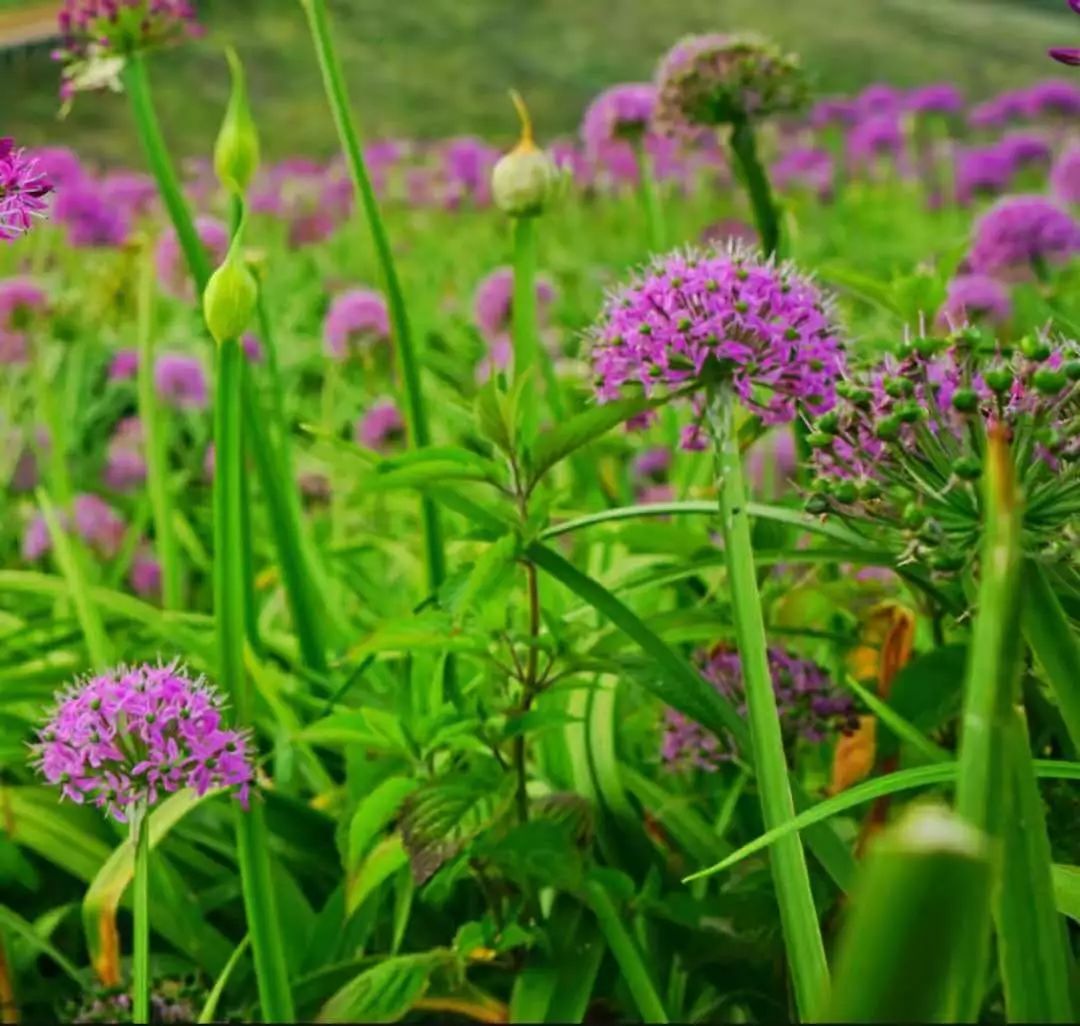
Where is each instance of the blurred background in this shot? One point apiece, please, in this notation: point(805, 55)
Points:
point(436, 68)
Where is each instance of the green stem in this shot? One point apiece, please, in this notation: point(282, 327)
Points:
point(252, 840)
point(140, 949)
point(337, 95)
point(802, 934)
point(523, 304)
point(137, 83)
point(251, 617)
point(650, 198)
point(156, 442)
point(55, 458)
point(756, 183)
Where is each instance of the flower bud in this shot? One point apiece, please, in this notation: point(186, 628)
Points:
point(965, 400)
point(236, 152)
point(1049, 381)
point(999, 379)
point(897, 388)
point(525, 179)
point(967, 468)
point(910, 412)
point(1035, 348)
point(819, 440)
point(817, 504)
point(1072, 370)
point(869, 490)
point(846, 492)
point(828, 423)
point(888, 428)
point(913, 516)
point(230, 297)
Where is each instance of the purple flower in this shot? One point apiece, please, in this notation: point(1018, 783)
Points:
point(60, 165)
point(939, 98)
point(252, 347)
point(1065, 175)
point(466, 170)
point(975, 298)
point(493, 310)
point(1055, 97)
point(124, 365)
point(357, 317)
point(999, 111)
point(833, 110)
point(172, 268)
point(125, 466)
point(179, 380)
point(812, 708)
point(145, 574)
point(1068, 55)
point(92, 518)
point(312, 200)
point(1019, 232)
point(619, 114)
point(129, 190)
point(879, 99)
point(20, 298)
point(652, 465)
point(1023, 149)
point(23, 188)
point(381, 425)
point(875, 137)
point(806, 167)
point(720, 314)
point(91, 220)
point(981, 171)
point(718, 79)
point(126, 738)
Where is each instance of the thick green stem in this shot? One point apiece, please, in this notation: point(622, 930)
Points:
point(137, 83)
point(337, 95)
point(523, 305)
point(252, 840)
point(140, 947)
point(650, 198)
point(155, 438)
point(756, 183)
point(802, 933)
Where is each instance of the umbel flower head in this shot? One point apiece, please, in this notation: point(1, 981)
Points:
point(23, 188)
point(901, 455)
point(621, 113)
point(1023, 233)
point(129, 736)
point(721, 79)
point(718, 316)
point(812, 707)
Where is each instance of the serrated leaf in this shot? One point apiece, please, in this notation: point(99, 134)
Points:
point(374, 813)
point(485, 575)
point(491, 416)
point(386, 858)
point(386, 992)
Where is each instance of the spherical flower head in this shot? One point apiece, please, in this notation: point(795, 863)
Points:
point(875, 137)
point(902, 453)
point(124, 365)
point(703, 317)
point(1054, 98)
point(125, 739)
point(813, 709)
point(619, 114)
point(125, 465)
point(145, 574)
point(90, 219)
point(493, 303)
point(652, 465)
point(718, 79)
point(357, 318)
point(60, 165)
point(180, 381)
point(805, 167)
point(1025, 149)
point(466, 166)
point(941, 98)
point(1019, 232)
point(833, 110)
point(130, 191)
point(975, 299)
point(879, 98)
point(23, 190)
point(20, 299)
point(1065, 175)
point(981, 171)
point(381, 426)
point(999, 111)
point(100, 527)
point(172, 269)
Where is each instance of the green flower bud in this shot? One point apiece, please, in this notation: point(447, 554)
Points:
point(869, 490)
point(1072, 370)
point(1049, 381)
point(861, 397)
point(526, 178)
point(965, 400)
point(1035, 348)
point(817, 504)
point(819, 440)
point(947, 561)
point(888, 428)
point(846, 492)
point(829, 422)
point(236, 152)
point(1000, 379)
point(230, 297)
point(913, 517)
point(910, 412)
point(928, 347)
point(898, 388)
point(967, 468)
point(1050, 438)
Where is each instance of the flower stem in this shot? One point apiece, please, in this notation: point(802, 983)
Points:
point(756, 182)
point(802, 933)
point(337, 96)
point(137, 83)
point(140, 949)
point(650, 198)
point(154, 434)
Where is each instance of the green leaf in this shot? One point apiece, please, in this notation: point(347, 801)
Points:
point(493, 416)
point(209, 1009)
point(374, 813)
point(388, 991)
point(386, 858)
point(12, 922)
point(485, 575)
point(1067, 890)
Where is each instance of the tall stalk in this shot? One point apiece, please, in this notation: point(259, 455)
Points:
point(140, 949)
point(416, 415)
point(743, 145)
point(798, 916)
point(649, 193)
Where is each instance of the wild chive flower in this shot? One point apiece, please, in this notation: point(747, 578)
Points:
point(145, 574)
point(124, 365)
point(721, 79)
point(20, 298)
point(466, 165)
point(724, 315)
point(130, 190)
point(812, 709)
point(1069, 55)
point(125, 467)
point(981, 171)
point(833, 110)
point(940, 98)
point(1054, 98)
point(381, 425)
point(171, 1001)
point(493, 310)
point(1021, 233)
point(810, 168)
point(879, 98)
point(875, 138)
point(975, 299)
point(23, 188)
point(1025, 149)
point(60, 165)
point(126, 738)
point(998, 111)
point(357, 318)
point(649, 471)
point(91, 220)
point(621, 113)
point(93, 520)
point(903, 451)
point(172, 268)
point(1065, 176)
point(180, 381)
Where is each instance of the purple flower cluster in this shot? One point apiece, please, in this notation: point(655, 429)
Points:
point(805, 167)
point(23, 188)
point(621, 113)
point(125, 466)
point(1021, 233)
point(312, 200)
point(1065, 175)
point(720, 79)
point(358, 317)
point(721, 316)
point(172, 269)
point(493, 311)
point(937, 98)
point(975, 299)
point(904, 447)
point(91, 219)
point(812, 708)
point(381, 425)
point(92, 519)
point(180, 381)
point(124, 739)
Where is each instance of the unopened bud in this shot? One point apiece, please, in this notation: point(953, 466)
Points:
point(236, 152)
point(230, 297)
point(525, 179)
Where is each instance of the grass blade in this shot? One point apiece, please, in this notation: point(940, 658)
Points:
point(209, 1009)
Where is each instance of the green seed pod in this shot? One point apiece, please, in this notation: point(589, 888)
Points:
point(888, 428)
point(913, 516)
point(1035, 348)
point(869, 490)
point(999, 379)
point(965, 400)
point(861, 397)
point(817, 504)
point(829, 423)
point(1072, 370)
point(236, 152)
point(1049, 381)
point(819, 440)
point(928, 347)
point(898, 388)
point(967, 468)
point(230, 297)
point(526, 178)
point(846, 492)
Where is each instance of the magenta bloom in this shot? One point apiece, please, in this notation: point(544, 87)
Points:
point(20, 298)
point(381, 425)
point(124, 365)
point(721, 315)
point(805, 167)
point(1019, 232)
point(60, 165)
point(23, 188)
point(1056, 97)
point(466, 170)
point(358, 317)
point(125, 466)
point(879, 99)
point(619, 114)
point(975, 298)
point(129, 190)
point(310, 199)
point(92, 519)
point(833, 110)
point(1067, 54)
point(981, 171)
point(180, 381)
point(999, 110)
point(812, 708)
point(493, 310)
point(876, 137)
point(145, 574)
point(91, 220)
point(172, 269)
point(1065, 175)
point(1025, 149)
point(124, 739)
point(938, 98)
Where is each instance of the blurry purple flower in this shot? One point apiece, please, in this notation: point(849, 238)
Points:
point(876, 137)
point(805, 167)
point(999, 110)
point(92, 518)
point(493, 311)
point(12, 347)
point(124, 365)
point(60, 165)
point(1019, 232)
point(833, 110)
point(180, 382)
point(23, 188)
point(879, 99)
point(19, 299)
point(981, 171)
point(652, 465)
point(975, 298)
point(314, 485)
point(125, 465)
point(728, 231)
point(1056, 97)
point(90, 219)
point(358, 317)
point(1065, 175)
point(466, 169)
point(126, 738)
point(618, 114)
point(172, 268)
point(1024, 149)
point(129, 190)
point(381, 425)
point(771, 464)
point(939, 98)
point(253, 349)
point(145, 574)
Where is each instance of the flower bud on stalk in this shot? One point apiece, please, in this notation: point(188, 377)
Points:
point(236, 152)
point(525, 179)
point(230, 297)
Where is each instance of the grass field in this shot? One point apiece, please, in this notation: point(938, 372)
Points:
point(442, 67)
